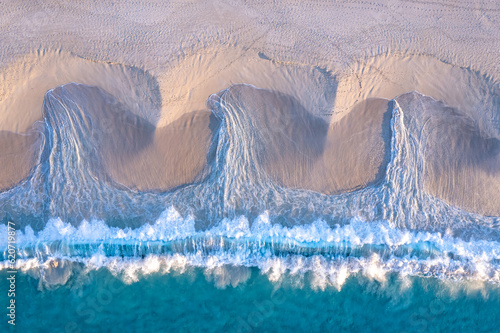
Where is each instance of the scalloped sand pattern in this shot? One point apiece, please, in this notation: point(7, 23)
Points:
point(341, 63)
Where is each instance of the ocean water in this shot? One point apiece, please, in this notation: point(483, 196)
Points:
point(235, 250)
point(196, 300)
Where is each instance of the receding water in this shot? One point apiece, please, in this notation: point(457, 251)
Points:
point(236, 250)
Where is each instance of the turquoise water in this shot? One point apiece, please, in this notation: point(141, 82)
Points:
point(191, 302)
point(236, 251)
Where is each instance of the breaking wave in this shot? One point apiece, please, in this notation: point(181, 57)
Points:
point(70, 214)
point(331, 254)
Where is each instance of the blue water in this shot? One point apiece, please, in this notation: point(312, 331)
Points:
point(235, 251)
point(191, 302)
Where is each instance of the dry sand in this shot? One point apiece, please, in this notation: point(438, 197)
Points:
point(162, 61)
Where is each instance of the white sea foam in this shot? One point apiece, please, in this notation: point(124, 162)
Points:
point(451, 258)
point(227, 269)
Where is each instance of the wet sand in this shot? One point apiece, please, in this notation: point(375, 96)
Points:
point(329, 88)
point(129, 150)
point(18, 156)
point(298, 149)
point(462, 163)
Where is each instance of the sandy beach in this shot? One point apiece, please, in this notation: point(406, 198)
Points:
point(328, 89)
point(250, 166)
